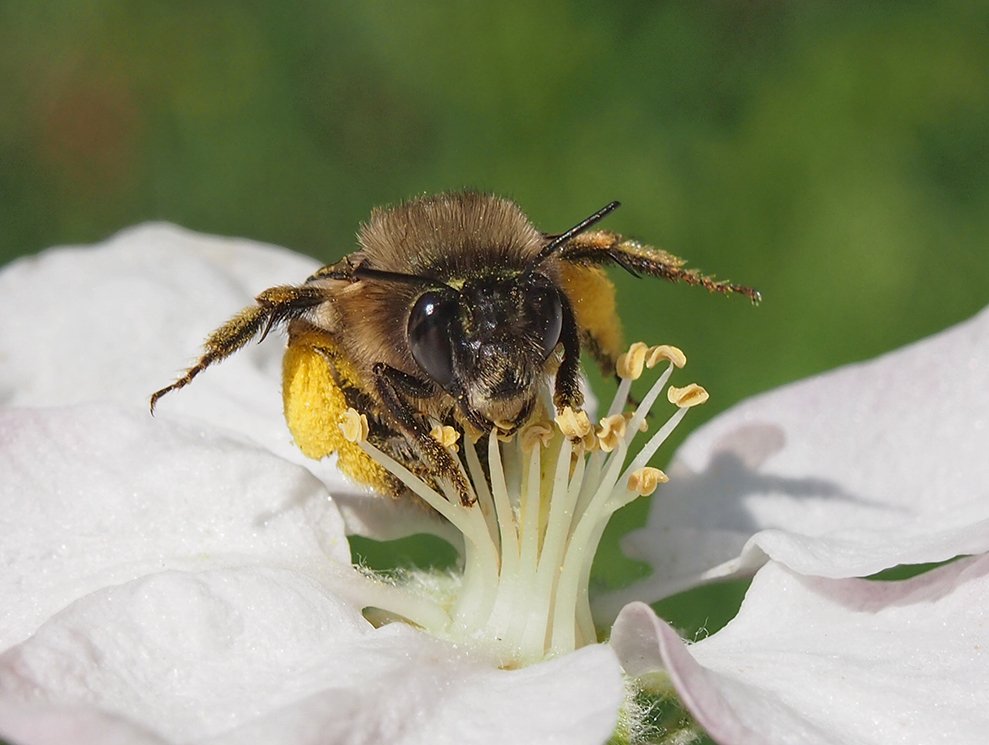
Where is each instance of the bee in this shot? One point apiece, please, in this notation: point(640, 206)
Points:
point(454, 309)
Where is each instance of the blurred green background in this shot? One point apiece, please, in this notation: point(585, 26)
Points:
point(834, 155)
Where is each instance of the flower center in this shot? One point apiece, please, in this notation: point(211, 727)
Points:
point(541, 508)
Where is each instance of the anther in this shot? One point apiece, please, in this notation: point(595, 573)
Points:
point(629, 365)
point(536, 433)
point(354, 426)
point(446, 436)
point(688, 396)
point(643, 481)
point(611, 432)
point(665, 352)
point(574, 424)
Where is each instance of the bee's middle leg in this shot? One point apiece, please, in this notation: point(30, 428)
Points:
point(393, 386)
point(567, 389)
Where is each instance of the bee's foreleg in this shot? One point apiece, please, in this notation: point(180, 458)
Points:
point(274, 305)
point(393, 387)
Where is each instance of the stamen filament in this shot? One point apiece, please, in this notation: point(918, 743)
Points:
point(543, 500)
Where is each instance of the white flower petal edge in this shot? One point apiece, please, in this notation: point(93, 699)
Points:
point(813, 660)
point(843, 475)
point(266, 655)
point(115, 321)
point(181, 585)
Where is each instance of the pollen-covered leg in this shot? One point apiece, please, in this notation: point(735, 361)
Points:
point(601, 247)
point(392, 386)
point(314, 403)
point(274, 305)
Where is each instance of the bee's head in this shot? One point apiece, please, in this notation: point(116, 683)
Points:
point(487, 343)
point(483, 334)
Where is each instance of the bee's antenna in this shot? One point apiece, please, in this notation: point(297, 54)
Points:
point(379, 275)
point(580, 227)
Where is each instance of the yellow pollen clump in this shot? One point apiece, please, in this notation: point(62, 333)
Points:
point(446, 436)
point(665, 352)
point(688, 396)
point(574, 424)
point(629, 365)
point(536, 433)
point(611, 432)
point(354, 426)
point(643, 481)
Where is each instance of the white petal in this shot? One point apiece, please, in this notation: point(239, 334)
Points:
point(121, 319)
point(846, 474)
point(93, 495)
point(266, 655)
point(116, 321)
point(44, 724)
point(813, 660)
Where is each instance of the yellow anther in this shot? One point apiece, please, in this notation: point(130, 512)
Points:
point(629, 364)
point(446, 436)
point(611, 432)
point(354, 426)
point(535, 433)
point(504, 430)
point(665, 352)
point(689, 395)
point(644, 481)
point(574, 424)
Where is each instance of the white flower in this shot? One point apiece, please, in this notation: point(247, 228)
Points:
point(187, 578)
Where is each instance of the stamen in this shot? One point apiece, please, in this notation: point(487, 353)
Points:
point(354, 426)
point(611, 432)
point(630, 363)
point(665, 352)
point(643, 425)
point(535, 433)
point(446, 436)
point(574, 424)
point(544, 497)
point(644, 481)
point(688, 396)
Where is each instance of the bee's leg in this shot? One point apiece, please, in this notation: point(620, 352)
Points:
point(343, 269)
point(602, 247)
point(567, 392)
point(274, 305)
point(393, 386)
point(592, 298)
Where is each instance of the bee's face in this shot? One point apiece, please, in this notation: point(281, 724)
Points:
point(487, 343)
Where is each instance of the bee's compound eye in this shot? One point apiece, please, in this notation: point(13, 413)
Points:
point(545, 307)
point(429, 330)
